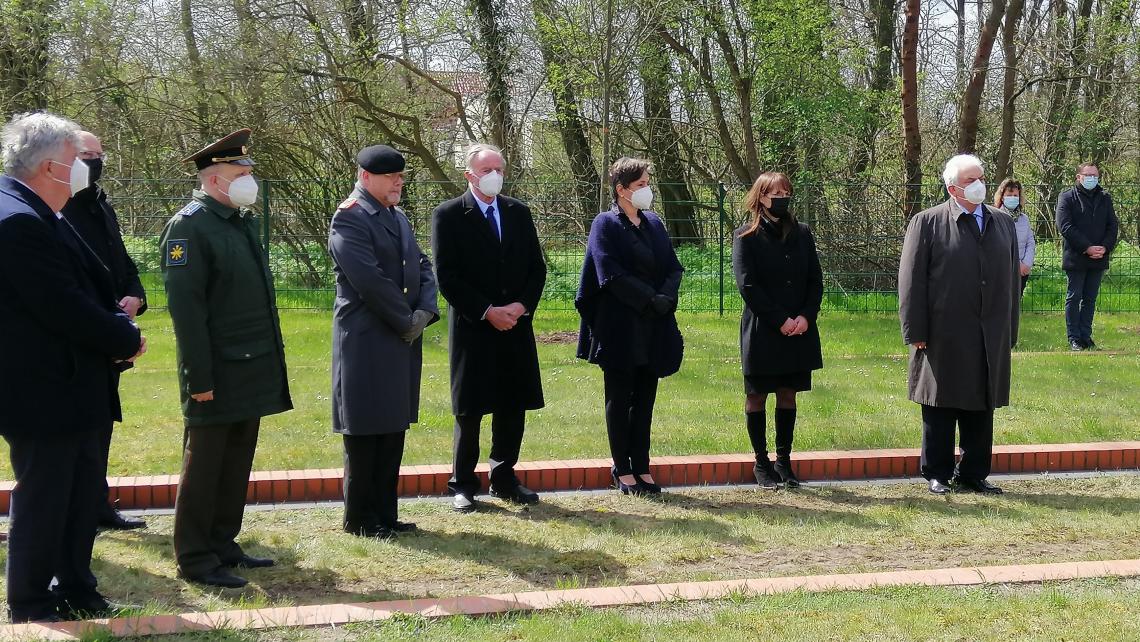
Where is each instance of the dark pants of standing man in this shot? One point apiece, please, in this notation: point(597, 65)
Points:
point(216, 462)
point(106, 509)
point(371, 480)
point(630, 395)
point(1080, 303)
point(506, 443)
point(52, 522)
point(977, 443)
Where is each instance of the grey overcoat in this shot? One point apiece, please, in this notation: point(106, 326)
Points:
point(958, 292)
point(382, 276)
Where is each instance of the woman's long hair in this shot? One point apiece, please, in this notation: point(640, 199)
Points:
point(1009, 183)
point(765, 184)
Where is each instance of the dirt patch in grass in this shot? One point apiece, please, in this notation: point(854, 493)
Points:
point(560, 337)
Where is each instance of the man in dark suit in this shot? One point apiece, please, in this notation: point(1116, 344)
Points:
point(91, 215)
point(491, 271)
point(60, 338)
point(959, 277)
point(385, 297)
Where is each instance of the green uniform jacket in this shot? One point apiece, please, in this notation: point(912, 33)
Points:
point(221, 300)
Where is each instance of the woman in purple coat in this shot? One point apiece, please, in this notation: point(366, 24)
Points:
point(627, 298)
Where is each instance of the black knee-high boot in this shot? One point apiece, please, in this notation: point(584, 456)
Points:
point(765, 474)
point(785, 428)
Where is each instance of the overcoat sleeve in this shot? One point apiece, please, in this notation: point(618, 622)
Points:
point(186, 286)
point(1065, 224)
point(1113, 228)
point(429, 292)
point(814, 297)
point(536, 271)
point(446, 249)
point(32, 261)
point(351, 247)
point(750, 287)
point(914, 281)
point(605, 253)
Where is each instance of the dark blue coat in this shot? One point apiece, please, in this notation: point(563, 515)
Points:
point(59, 335)
point(1086, 218)
point(610, 313)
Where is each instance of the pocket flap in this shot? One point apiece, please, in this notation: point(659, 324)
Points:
point(247, 350)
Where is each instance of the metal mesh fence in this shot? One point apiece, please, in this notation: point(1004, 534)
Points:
point(858, 229)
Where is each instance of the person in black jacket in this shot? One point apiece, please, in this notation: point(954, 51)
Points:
point(61, 336)
point(779, 277)
point(1088, 223)
point(627, 298)
point(92, 216)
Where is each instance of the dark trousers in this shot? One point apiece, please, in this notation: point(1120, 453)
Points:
point(103, 504)
point(1024, 282)
point(216, 461)
point(506, 443)
point(1080, 302)
point(52, 521)
point(630, 395)
point(371, 480)
point(977, 442)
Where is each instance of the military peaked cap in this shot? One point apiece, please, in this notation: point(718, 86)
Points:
point(380, 159)
point(229, 149)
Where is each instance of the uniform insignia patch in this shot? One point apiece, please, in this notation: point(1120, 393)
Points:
point(177, 252)
point(190, 209)
point(346, 203)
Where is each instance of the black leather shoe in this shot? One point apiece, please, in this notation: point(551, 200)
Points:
point(464, 503)
point(113, 520)
point(977, 486)
point(650, 487)
point(93, 607)
point(1076, 346)
point(220, 577)
point(939, 487)
point(249, 561)
point(1090, 345)
point(518, 495)
point(25, 619)
point(637, 489)
point(784, 470)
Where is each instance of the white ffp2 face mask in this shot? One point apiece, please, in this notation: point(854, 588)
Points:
point(975, 192)
point(642, 199)
point(243, 191)
point(491, 184)
point(80, 176)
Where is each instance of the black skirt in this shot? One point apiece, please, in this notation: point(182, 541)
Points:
point(763, 384)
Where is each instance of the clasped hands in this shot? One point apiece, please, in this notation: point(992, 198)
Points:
point(1095, 251)
point(420, 321)
point(792, 327)
point(505, 317)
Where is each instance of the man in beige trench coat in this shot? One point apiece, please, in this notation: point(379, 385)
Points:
point(959, 306)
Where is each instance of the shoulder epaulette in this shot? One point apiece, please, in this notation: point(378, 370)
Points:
point(346, 203)
point(191, 208)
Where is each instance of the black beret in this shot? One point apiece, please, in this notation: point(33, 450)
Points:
point(233, 148)
point(380, 159)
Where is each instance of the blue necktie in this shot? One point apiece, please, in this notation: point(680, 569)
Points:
point(490, 214)
point(981, 222)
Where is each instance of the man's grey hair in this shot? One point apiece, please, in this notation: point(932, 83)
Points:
point(956, 165)
point(30, 139)
point(476, 149)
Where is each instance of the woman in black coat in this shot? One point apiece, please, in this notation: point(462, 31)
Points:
point(627, 297)
point(778, 274)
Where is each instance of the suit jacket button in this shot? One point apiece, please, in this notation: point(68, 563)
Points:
point(246, 355)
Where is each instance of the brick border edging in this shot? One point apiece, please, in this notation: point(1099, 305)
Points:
point(325, 484)
point(340, 614)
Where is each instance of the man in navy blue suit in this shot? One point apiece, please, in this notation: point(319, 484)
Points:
point(62, 339)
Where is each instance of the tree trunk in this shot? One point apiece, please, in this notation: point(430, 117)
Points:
point(567, 110)
point(197, 76)
point(972, 99)
point(1004, 166)
point(677, 201)
point(912, 136)
point(25, 31)
point(492, 48)
point(883, 29)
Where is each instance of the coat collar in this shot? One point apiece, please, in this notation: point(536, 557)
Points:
point(223, 211)
point(472, 210)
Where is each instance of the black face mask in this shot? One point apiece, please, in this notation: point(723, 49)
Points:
point(96, 165)
point(779, 207)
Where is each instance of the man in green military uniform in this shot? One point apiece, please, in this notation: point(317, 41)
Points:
point(231, 358)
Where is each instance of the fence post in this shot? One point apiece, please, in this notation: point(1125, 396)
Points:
point(265, 214)
point(720, 194)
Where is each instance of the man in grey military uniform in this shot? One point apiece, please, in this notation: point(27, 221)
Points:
point(231, 358)
point(385, 297)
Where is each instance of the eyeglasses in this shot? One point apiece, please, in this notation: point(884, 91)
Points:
point(93, 155)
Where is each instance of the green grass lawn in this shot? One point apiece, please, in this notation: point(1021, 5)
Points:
point(858, 400)
point(606, 539)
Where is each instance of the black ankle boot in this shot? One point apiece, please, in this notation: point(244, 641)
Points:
point(785, 428)
point(765, 475)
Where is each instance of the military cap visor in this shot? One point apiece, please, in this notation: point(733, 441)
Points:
point(380, 159)
point(233, 148)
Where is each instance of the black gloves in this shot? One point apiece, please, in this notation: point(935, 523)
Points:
point(420, 320)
